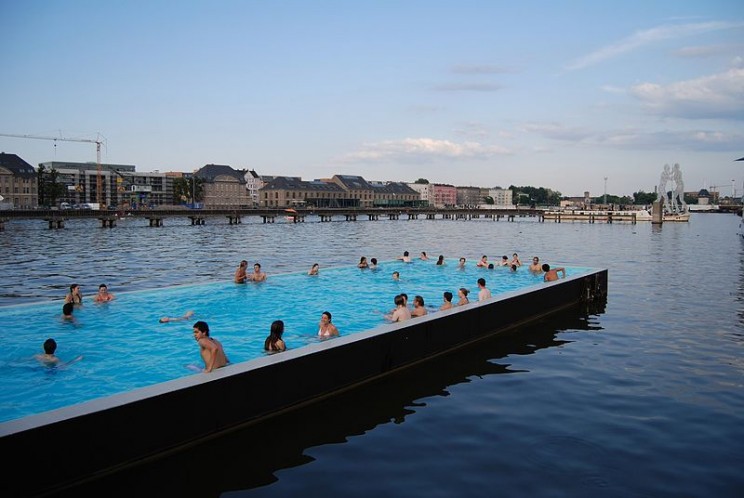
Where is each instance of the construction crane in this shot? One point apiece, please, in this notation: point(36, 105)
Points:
point(99, 173)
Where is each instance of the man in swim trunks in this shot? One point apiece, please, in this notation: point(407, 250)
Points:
point(258, 275)
point(210, 348)
point(552, 274)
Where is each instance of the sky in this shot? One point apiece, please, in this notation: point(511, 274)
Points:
point(573, 96)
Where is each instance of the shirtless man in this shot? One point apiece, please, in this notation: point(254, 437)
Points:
point(483, 292)
point(210, 348)
point(258, 275)
point(418, 306)
point(406, 258)
point(401, 311)
point(483, 263)
point(461, 264)
point(49, 358)
point(536, 266)
point(103, 295)
point(447, 298)
point(504, 261)
point(240, 274)
point(551, 275)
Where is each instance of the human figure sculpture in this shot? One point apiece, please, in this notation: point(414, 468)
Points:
point(678, 194)
point(666, 175)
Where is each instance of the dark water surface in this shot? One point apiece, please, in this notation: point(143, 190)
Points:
point(640, 396)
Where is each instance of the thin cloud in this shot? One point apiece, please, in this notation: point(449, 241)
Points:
point(647, 37)
point(468, 87)
point(716, 96)
point(417, 149)
point(480, 69)
point(556, 131)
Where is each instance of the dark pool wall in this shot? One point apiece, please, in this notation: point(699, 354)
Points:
point(74, 443)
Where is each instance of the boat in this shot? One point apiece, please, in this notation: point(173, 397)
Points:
point(673, 217)
point(592, 215)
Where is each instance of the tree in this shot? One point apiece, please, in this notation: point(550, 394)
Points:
point(535, 195)
point(184, 189)
point(642, 198)
point(488, 200)
point(49, 187)
point(422, 181)
point(40, 184)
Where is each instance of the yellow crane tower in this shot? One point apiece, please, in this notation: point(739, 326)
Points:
point(98, 142)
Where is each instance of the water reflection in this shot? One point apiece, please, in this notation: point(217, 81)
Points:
point(251, 457)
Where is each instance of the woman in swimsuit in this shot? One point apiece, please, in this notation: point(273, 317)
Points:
point(274, 342)
point(327, 329)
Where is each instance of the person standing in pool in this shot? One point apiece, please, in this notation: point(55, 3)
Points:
point(401, 311)
point(314, 269)
point(326, 328)
point(240, 274)
point(274, 343)
point(74, 296)
point(552, 274)
point(103, 295)
point(258, 275)
point(462, 293)
point(483, 292)
point(418, 306)
point(447, 298)
point(363, 262)
point(210, 348)
point(67, 312)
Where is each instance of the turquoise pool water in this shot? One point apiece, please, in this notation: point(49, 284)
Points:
point(125, 347)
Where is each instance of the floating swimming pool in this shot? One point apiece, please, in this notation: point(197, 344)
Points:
point(125, 347)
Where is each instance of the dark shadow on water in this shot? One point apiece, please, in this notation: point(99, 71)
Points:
point(250, 457)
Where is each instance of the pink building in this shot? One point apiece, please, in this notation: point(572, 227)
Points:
point(444, 195)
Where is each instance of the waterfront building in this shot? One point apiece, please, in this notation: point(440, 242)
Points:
point(394, 194)
point(18, 183)
point(121, 184)
point(469, 196)
point(253, 183)
point(292, 191)
point(356, 188)
point(501, 197)
point(444, 195)
point(223, 187)
point(425, 191)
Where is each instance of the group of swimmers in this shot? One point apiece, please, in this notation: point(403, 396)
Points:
point(242, 276)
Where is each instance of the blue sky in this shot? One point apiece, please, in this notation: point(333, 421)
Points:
point(487, 93)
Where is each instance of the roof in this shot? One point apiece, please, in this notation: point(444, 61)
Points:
point(210, 172)
point(393, 188)
point(352, 182)
point(16, 165)
point(296, 183)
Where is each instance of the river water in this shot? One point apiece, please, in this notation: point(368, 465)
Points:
point(640, 396)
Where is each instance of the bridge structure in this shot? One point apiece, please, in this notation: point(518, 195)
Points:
point(55, 218)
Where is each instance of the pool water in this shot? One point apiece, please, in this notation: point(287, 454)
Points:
point(125, 347)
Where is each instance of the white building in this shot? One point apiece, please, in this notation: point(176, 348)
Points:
point(501, 197)
point(425, 190)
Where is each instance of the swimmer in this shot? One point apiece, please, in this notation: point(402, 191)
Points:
point(257, 275)
point(405, 258)
point(552, 274)
point(49, 358)
point(515, 260)
point(67, 309)
point(440, 260)
point(240, 274)
point(423, 256)
point(186, 316)
point(483, 292)
point(401, 311)
point(461, 263)
point(274, 343)
point(462, 293)
point(210, 348)
point(326, 328)
point(418, 306)
point(103, 295)
point(363, 262)
point(483, 263)
point(314, 269)
point(504, 260)
point(396, 276)
point(74, 296)
point(373, 264)
point(536, 266)
point(447, 298)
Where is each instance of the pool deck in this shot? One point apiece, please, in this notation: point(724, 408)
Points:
point(79, 442)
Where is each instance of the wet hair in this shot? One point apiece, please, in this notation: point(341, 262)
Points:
point(374, 261)
point(328, 314)
point(441, 259)
point(482, 281)
point(545, 267)
point(396, 273)
point(275, 334)
point(405, 253)
point(67, 309)
point(404, 295)
point(464, 291)
point(244, 263)
point(504, 257)
point(202, 326)
point(514, 267)
point(257, 264)
point(363, 259)
point(399, 300)
point(102, 286)
point(72, 287)
point(490, 266)
point(423, 253)
point(448, 296)
point(316, 264)
point(418, 299)
point(50, 346)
